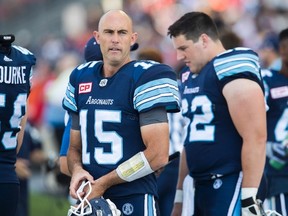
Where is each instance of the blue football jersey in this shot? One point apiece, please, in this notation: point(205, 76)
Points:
point(212, 143)
point(15, 75)
point(276, 94)
point(109, 110)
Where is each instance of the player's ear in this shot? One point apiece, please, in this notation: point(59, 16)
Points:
point(134, 38)
point(96, 35)
point(204, 38)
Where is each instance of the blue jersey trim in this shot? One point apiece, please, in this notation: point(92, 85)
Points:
point(236, 64)
point(163, 90)
point(69, 100)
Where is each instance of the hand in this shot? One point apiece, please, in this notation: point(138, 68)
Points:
point(251, 206)
point(79, 175)
point(177, 209)
point(22, 168)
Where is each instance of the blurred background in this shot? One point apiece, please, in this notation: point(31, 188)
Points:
point(56, 31)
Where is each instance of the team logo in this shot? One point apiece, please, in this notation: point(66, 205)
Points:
point(127, 208)
point(103, 82)
point(85, 87)
point(7, 59)
point(217, 183)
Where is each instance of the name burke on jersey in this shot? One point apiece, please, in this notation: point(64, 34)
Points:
point(12, 74)
point(97, 101)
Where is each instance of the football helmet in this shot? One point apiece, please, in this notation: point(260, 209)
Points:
point(93, 207)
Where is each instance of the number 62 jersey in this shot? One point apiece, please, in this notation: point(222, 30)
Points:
point(213, 144)
point(108, 110)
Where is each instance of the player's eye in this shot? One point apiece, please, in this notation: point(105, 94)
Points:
point(122, 32)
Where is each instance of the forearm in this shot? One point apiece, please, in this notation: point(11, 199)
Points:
point(156, 139)
point(20, 134)
point(74, 153)
point(73, 160)
point(64, 165)
point(183, 170)
point(253, 162)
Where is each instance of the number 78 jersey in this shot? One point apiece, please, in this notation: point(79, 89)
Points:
point(213, 145)
point(109, 113)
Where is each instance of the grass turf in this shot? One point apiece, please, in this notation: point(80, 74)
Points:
point(48, 205)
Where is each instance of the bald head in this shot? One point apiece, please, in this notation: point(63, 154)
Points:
point(115, 37)
point(115, 15)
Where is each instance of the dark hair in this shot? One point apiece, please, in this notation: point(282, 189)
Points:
point(283, 35)
point(230, 39)
point(192, 25)
point(150, 54)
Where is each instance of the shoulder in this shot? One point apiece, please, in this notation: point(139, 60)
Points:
point(86, 68)
point(147, 69)
point(21, 53)
point(150, 66)
point(91, 65)
point(22, 50)
point(236, 56)
point(236, 61)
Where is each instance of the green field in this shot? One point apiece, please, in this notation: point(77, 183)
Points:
point(48, 205)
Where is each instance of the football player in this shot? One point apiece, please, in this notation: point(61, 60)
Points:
point(276, 92)
point(92, 52)
point(119, 132)
point(16, 65)
point(223, 98)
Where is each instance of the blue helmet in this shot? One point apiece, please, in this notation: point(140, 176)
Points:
point(93, 207)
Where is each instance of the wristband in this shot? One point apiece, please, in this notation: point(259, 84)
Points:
point(134, 168)
point(178, 196)
point(248, 192)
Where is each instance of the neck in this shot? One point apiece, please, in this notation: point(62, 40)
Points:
point(216, 50)
point(284, 69)
point(110, 69)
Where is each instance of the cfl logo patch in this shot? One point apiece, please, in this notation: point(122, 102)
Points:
point(127, 209)
point(217, 183)
point(85, 87)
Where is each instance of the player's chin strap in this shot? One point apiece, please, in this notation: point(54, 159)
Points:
point(84, 207)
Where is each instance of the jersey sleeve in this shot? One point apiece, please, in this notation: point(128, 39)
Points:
point(156, 87)
point(242, 63)
point(69, 101)
point(65, 139)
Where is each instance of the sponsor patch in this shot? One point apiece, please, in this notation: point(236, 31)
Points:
point(279, 92)
point(85, 87)
point(185, 76)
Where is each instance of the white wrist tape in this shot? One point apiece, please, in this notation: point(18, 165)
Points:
point(248, 192)
point(134, 168)
point(178, 196)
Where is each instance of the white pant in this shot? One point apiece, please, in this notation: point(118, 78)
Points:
point(188, 196)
